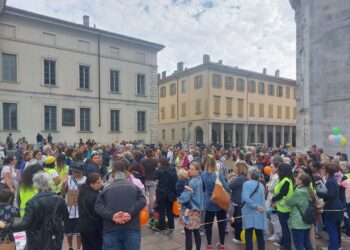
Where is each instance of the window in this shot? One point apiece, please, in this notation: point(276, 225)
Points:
point(198, 82)
point(271, 90)
point(279, 111)
point(173, 134)
point(294, 93)
point(217, 81)
point(172, 111)
point(261, 88)
point(240, 85)
point(85, 120)
point(216, 104)
point(229, 83)
point(163, 134)
point(287, 92)
point(183, 86)
point(141, 121)
point(162, 112)
point(163, 91)
point(172, 90)
point(9, 67)
point(261, 110)
point(68, 117)
point(228, 106)
point(183, 134)
point(251, 86)
point(294, 113)
point(50, 118)
point(251, 109)
point(280, 91)
point(114, 81)
point(9, 115)
point(115, 120)
point(287, 112)
point(49, 72)
point(183, 109)
point(84, 77)
point(140, 84)
point(240, 107)
point(270, 110)
point(198, 106)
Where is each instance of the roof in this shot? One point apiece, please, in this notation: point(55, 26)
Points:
point(229, 70)
point(55, 21)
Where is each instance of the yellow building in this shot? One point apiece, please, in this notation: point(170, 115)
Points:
point(215, 103)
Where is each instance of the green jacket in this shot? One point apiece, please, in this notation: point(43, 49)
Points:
point(301, 198)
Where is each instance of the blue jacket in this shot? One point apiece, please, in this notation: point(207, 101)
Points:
point(251, 216)
point(196, 198)
point(209, 183)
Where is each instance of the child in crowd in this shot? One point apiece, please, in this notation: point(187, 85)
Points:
point(7, 213)
point(181, 185)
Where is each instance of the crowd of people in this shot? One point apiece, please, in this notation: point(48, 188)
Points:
point(95, 193)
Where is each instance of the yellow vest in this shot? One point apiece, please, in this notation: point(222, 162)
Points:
point(25, 195)
point(347, 176)
point(281, 204)
point(55, 188)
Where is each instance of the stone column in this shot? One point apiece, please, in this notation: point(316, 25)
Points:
point(245, 135)
point(233, 134)
point(282, 135)
point(273, 136)
point(222, 133)
point(265, 135)
point(256, 133)
point(290, 135)
point(210, 127)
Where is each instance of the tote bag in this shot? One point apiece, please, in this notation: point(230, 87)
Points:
point(219, 196)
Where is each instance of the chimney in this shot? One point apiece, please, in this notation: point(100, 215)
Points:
point(264, 71)
point(220, 62)
point(180, 67)
point(158, 76)
point(206, 59)
point(277, 73)
point(163, 74)
point(86, 20)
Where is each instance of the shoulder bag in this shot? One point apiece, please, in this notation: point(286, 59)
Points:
point(219, 196)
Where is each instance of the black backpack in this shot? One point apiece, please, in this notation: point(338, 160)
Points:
point(50, 235)
point(309, 216)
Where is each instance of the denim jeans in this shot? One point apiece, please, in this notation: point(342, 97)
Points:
point(122, 239)
point(347, 220)
point(150, 191)
point(331, 227)
point(286, 241)
point(301, 239)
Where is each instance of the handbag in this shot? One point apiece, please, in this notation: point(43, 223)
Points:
point(7, 244)
point(219, 196)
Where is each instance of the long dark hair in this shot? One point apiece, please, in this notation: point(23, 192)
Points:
point(27, 175)
point(61, 161)
point(285, 170)
point(306, 180)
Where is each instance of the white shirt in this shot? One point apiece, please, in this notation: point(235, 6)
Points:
point(73, 210)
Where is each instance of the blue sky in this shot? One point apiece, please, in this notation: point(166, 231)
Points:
point(250, 34)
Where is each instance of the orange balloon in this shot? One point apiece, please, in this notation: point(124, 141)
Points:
point(267, 170)
point(144, 217)
point(176, 208)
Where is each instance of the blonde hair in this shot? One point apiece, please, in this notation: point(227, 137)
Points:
point(211, 165)
point(242, 168)
point(182, 174)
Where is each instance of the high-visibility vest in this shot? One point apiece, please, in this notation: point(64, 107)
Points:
point(347, 176)
point(281, 204)
point(55, 188)
point(25, 195)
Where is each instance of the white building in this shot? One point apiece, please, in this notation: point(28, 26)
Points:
point(74, 81)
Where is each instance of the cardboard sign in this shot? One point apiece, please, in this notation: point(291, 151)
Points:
point(72, 197)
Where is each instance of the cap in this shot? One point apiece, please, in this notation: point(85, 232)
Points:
point(49, 160)
point(78, 167)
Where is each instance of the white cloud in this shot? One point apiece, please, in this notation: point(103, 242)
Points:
point(250, 34)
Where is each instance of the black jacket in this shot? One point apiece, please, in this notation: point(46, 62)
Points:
point(41, 205)
point(89, 220)
point(167, 178)
point(236, 185)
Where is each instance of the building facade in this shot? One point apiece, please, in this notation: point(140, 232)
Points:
point(323, 71)
point(215, 103)
point(75, 81)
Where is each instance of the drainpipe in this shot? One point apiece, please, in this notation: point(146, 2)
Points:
point(99, 79)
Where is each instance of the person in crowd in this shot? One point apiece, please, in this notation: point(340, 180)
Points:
point(166, 194)
point(9, 142)
point(49, 167)
point(26, 189)
point(36, 159)
point(253, 209)
point(211, 209)
point(89, 222)
point(299, 202)
point(282, 191)
point(9, 175)
point(8, 213)
point(119, 205)
point(236, 185)
point(181, 186)
point(70, 188)
point(333, 204)
point(195, 196)
point(138, 171)
point(95, 164)
point(62, 169)
point(42, 206)
point(27, 158)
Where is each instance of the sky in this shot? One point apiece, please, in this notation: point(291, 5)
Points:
point(250, 34)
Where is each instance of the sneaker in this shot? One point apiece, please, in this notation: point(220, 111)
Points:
point(274, 237)
point(277, 244)
point(209, 247)
point(186, 220)
point(236, 241)
point(219, 246)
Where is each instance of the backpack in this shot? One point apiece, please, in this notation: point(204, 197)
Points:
point(50, 235)
point(309, 216)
